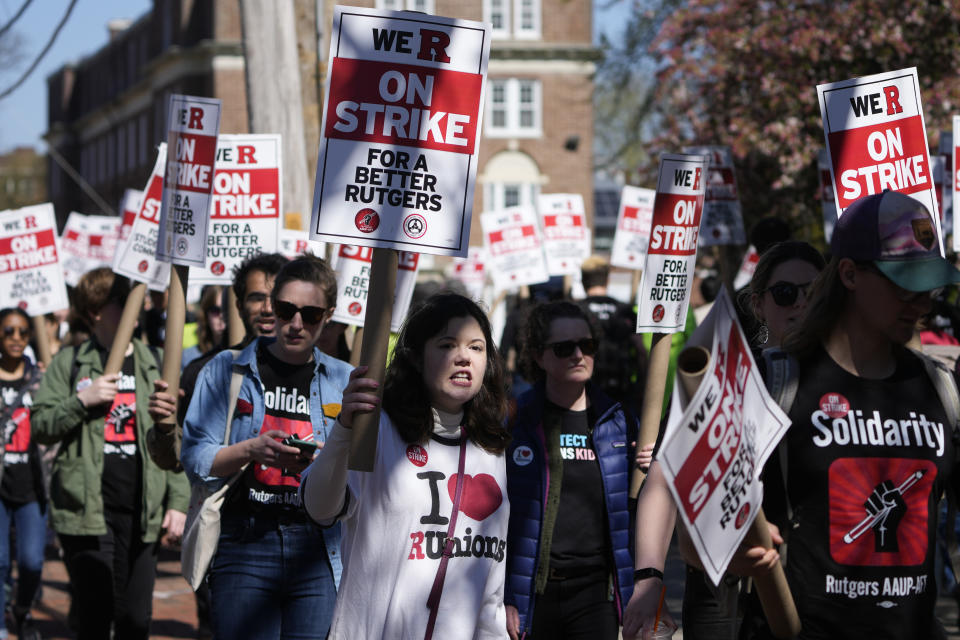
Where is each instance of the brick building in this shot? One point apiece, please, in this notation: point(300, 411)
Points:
point(23, 178)
point(107, 112)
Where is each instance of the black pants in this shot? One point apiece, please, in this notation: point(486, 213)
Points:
point(576, 608)
point(112, 577)
point(710, 613)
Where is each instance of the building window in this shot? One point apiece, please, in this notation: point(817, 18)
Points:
point(142, 143)
point(514, 108)
point(518, 19)
point(424, 6)
point(510, 179)
point(121, 150)
point(131, 145)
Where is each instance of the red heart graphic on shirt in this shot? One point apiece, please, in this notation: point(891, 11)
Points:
point(481, 495)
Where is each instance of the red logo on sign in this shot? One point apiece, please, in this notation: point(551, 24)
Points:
point(742, 515)
point(142, 267)
point(834, 405)
point(658, 313)
point(367, 220)
point(417, 455)
point(217, 268)
point(22, 305)
point(355, 308)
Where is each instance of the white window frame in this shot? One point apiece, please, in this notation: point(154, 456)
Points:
point(494, 195)
point(407, 5)
point(532, 32)
point(503, 32)
point(512, 128)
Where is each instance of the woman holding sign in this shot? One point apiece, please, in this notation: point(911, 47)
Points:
point(424, 532)
point(568, 469)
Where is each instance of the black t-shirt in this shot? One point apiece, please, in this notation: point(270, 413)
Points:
point(287, 403)
point(17, 485)
point(121, 458)
point(868, 461)
point(579, 534)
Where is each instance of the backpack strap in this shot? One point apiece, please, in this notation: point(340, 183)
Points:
point(783, 380)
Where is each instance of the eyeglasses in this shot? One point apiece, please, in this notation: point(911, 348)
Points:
point(564, 348)
point(903, 295)
point(785, 293)
point(9, 331)
point(286, 310)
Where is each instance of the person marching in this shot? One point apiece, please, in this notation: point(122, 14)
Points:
point(425, 531)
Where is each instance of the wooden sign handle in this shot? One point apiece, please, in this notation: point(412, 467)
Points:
point(234, 322)
point(128, 322)
point(652, 409)
point(44, 352)
point(173, 338)
point(373, 353)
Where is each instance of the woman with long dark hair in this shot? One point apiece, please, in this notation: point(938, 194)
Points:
point(424, 532)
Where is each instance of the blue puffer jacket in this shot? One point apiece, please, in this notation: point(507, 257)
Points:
point(527, 484)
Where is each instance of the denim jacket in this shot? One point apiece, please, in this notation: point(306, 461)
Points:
point(205, 423)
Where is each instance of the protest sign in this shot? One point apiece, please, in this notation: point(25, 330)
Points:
point(566, 239)
point(514, 249)
point(945, 151)
point(828, 205)
point(722, 215)
point(245, 213)
point(136, 258)
point(877, 140)
point(747, 268)
point(192, 127)
point(293, 243)
point(352, 265)
point(31, 275)
point(664, 291)
point(471, 272)
point(401, 131)
point(128, 212)
point(718, 440)
point(87, 242)
point(632, 236)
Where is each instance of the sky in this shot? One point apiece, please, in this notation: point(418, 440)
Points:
point(23, 114)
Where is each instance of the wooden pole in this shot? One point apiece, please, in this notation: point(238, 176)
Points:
point(355, 348)
point(128, 322)
point(45, 353)
point(234, 322)
point(373, 353)
point(650, 412)
point(635, 286)
point(173, 340)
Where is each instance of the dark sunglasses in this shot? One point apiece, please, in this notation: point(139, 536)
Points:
point(564, 349)
point(286, 311)
point(785, 293)
point(9, 331)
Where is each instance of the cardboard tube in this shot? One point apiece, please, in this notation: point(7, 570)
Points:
point(652, 408)
point(43, 340)
point(234, 322)
point(355, 349)
point(173, 340)
point(692, 365)
point(128, 322)
point(373, 353)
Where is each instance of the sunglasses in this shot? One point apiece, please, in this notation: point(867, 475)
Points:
point(564, 349)
point(310, 315)
point(785, 293)
point(9, 331)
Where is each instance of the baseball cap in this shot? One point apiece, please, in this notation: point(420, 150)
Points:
point(897, 234)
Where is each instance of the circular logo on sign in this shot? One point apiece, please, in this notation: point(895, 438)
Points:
point(217, 268)
point(355, 308)
point(182, 246)
point(142, 267)
point(834, 405)
point(522, 455)
point(367, 220)
point(417, 455)
point(414, 225)
point(83, 383)
point(658, 313)
point(23, 305)
point(742, 515)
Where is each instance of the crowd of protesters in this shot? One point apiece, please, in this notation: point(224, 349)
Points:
point(498, 501)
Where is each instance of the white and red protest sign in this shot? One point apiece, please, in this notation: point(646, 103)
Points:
point(566, 237)
point(245, 214)
point(470, 271)
point(722, 215)
point(129, 209)
point(877, 140)
point(192, 128)
point(87, 242)
point(716, 442)
point(352, 265)
point(293, 243)
point(664, 292)
point(401, 131)
point(136, 257)
point(31, 276)
point(632, 237)
point(828, 205)
point(514, 248)
point(955, 178)
point(747, 268)
point(945, 151)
